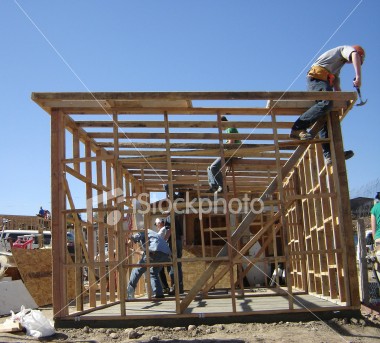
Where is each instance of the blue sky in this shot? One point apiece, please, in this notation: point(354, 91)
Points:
point(197, 45)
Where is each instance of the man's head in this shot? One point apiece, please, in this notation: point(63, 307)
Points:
point(360, 51)
point(377, 197)
point(159, 223)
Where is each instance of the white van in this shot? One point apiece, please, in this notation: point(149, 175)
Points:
point(7, 235)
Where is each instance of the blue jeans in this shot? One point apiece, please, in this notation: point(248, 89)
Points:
point(179, 266)
point(214, 172)
point(137, 272)
point(315, 112)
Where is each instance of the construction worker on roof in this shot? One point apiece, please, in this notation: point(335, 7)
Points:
point(214, 171)
point(324, 76)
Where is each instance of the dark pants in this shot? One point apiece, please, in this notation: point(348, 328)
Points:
point(320, 109)
point(137, 272)
point(179, 266)
point(214, 173)
point(163, 279)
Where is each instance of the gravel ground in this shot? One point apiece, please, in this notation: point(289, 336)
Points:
point(365, 329)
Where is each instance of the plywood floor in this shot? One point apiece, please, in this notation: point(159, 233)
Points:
point(260, 302)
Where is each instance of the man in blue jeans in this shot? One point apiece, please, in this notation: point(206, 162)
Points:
point(159, 251)
point(214, 171)
point(324, 76)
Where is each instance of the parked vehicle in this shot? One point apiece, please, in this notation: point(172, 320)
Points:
point(8, 236)
point(70, 243)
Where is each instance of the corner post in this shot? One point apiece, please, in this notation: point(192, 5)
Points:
point(344, 210)
point(58, 217)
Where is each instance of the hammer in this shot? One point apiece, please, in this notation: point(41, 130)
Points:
point(361, 103)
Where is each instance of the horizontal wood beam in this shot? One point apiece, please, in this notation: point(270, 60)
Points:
point(236, 95)
point(188, 136)
point(184, 124)
point(158, 111)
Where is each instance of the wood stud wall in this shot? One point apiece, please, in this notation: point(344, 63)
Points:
point(137, 142)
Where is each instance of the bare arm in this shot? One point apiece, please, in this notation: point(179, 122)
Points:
point(167, 234)
point(373, 225)
point(357, 64)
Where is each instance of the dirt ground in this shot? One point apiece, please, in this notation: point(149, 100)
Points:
point(365, 329)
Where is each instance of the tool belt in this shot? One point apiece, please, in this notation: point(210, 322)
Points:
point(320, 73)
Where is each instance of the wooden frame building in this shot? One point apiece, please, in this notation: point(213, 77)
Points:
point(17, 222)
point(109, 149)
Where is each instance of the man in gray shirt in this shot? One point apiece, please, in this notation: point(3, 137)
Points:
point(324, 76)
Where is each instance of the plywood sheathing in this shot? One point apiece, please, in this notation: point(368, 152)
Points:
point(149, 139)
point(35, 267)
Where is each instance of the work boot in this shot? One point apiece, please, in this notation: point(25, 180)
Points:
point(172, 290)
point(212, 189)
point(158, 296)
point(347, 155)
point(300, 134)
point(219, 190)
